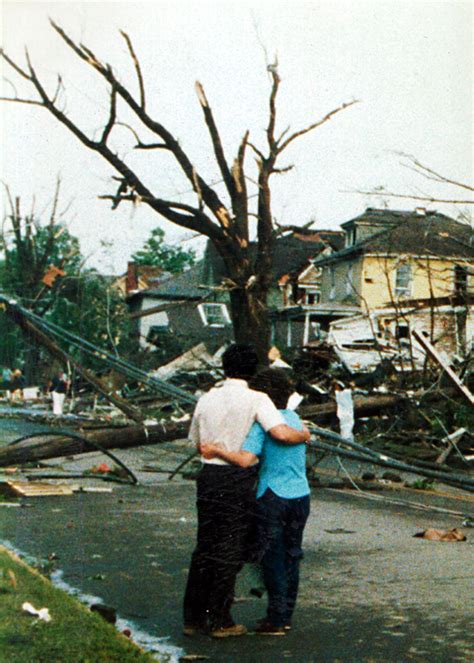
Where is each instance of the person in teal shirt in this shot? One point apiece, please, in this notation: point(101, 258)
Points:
point(283, 502)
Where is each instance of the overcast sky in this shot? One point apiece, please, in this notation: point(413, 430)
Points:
point(408, 62)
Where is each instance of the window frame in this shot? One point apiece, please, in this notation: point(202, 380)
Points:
point(403, 290)
point(215, 305)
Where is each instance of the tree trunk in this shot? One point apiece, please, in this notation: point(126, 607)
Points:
point(250, 320)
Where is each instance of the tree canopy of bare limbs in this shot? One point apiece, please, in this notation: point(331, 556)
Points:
point(223, 219)
point(413, 164)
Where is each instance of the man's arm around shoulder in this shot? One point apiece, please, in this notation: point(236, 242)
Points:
point(287, 435)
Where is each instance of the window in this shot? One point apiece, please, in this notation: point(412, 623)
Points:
point(403, 330)
point(351, 236)
point(332, 278)
point(403, 280)
point(350, 280)
point(214, 315)
point(311, 297)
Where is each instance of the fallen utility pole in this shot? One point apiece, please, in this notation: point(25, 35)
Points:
point(33, 332)
point(131, 436)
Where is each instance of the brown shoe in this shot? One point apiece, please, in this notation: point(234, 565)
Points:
point(229, 631)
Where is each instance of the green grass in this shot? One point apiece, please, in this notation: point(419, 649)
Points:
point(74, 634)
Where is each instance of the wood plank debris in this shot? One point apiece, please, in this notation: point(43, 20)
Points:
point(450, 441)
point(434, 354)
point(35, 489)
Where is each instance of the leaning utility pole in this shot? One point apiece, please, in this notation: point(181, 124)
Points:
point(34, 333)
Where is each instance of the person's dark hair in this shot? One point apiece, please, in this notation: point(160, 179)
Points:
point(277, 383)
point(240, 361)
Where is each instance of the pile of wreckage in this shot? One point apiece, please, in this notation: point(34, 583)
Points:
point(411, 415)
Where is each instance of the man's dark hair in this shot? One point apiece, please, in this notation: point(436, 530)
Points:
point(240, 361)
point(277, 383)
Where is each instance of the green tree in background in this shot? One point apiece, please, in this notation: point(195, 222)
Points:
point(157, 253)
point(43, 268)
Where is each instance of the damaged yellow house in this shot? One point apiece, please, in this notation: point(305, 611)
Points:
point(391, 257)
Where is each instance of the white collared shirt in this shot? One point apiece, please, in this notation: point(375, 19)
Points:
point(226, 413)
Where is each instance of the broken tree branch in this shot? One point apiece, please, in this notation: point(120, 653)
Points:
point(136, 62)
point(323, 120)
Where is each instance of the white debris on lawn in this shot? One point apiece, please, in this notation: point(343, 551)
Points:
point(42, 613)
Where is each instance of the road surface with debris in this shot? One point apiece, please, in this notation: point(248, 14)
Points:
point(370, 591)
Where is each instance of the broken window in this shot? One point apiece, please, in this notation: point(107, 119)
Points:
point(403, 280)
point(214, 315)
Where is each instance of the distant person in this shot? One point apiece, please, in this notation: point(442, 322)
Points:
point(283, 502)
point(59, 388)
point(17, 383)
point(6, 378)
point(226, 493)
point(344, 409)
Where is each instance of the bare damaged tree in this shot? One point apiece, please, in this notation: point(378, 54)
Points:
point(225, 223)
point(430, 174)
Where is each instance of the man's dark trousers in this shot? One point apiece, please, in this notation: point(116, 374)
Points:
point(225, 503)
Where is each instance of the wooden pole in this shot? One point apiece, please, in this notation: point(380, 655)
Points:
point(122, 438)
point(363, 406)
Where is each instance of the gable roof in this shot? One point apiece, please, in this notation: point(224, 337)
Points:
point(182, 286)
point(430, 233)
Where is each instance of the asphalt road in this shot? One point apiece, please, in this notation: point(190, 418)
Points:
point(369, 590)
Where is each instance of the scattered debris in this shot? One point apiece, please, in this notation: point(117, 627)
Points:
point(441, 535)
point(36, 489)
point(434, 354)
point(190, 360)
point(103, 468)
point(339, 530)
point(42, 613)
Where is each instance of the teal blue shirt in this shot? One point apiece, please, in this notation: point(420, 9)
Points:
point(282, 466)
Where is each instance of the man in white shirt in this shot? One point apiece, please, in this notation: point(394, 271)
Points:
point(226, 493)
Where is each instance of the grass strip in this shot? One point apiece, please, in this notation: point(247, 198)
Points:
point(74, 634)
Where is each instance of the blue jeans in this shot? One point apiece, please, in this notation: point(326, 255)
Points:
point(280, 525)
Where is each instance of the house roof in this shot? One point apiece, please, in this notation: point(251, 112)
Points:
point(181, 286)
point(410, 232)
point(291, 254)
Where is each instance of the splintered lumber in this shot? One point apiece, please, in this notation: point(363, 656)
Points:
point(364, 406)
point(432, 352)
point(36, 489)
point(54, 447)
